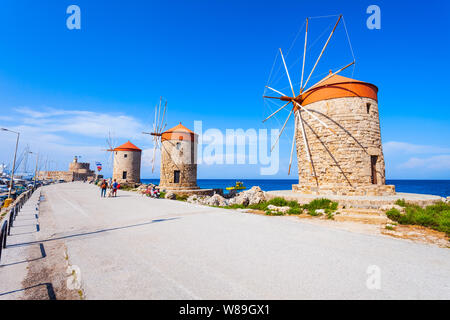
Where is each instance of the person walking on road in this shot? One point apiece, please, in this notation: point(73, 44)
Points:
point(114, 188)
point(103, 187)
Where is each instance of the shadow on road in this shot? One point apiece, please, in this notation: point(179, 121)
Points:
point(93, 232)
point(43, 255)
point(48, 286)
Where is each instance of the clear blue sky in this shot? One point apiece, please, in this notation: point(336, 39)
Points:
point(211, 60)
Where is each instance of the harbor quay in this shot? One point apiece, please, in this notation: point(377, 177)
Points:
point(78, 245)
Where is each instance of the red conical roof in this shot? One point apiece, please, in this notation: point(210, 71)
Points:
point(339, 87)
point(337, 79)
point(127, 146)
point(178, 132)
point(179, 128)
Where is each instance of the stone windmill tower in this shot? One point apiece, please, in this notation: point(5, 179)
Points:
point(337, 133)
point(178, 158)
point(178, 147)
point(127, 163)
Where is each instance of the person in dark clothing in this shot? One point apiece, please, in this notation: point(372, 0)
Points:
point(103, 187)
point(114, 188)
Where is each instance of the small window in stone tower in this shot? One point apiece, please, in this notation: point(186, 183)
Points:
point(176, 176)
point(368, 107)
point(124, 175)
point(178, 145)
point(125, 155)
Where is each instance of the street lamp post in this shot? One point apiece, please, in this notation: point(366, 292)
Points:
point(14, 162)
point(35, 170)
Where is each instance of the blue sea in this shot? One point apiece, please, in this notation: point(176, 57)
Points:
point(435, 187)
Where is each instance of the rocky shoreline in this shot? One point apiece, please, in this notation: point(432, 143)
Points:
point(256, 195)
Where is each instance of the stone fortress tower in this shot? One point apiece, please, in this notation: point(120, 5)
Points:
point(178, 159)
point(127, 163)
point(78, 171)
point(351, 161)
point(81, 168)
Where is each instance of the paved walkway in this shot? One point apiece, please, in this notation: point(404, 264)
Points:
point(15, 259)
point(133, 247)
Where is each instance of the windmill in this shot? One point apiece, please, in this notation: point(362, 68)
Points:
point(158, 128)
point(296, 99)
point(111, 145)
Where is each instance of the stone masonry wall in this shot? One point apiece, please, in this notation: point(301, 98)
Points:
point(341, 161)
point(129, 161)
point(181, 156)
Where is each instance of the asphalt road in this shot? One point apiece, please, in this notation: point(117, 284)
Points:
point(133, 247)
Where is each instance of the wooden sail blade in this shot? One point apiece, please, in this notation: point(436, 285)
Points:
point(293, 142)
point(287, 73)
point(162, 119)
point(329, 76)
point(159, 114)
point(269, 97)
point(321, 53)
point(282, 129)
point(304, 55)
point(315, 117)
point(153, 159)
point(276, 112)
point(154, 122)
point(280, 93)
point(305, 142)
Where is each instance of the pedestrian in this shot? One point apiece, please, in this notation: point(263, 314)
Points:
point(103, 187)
point(114, 187)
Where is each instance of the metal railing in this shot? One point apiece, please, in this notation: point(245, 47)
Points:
point(7, 222)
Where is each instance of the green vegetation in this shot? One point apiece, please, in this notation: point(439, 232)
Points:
point(181, 198)
point(294, 207)
point(326, 204)
point(279, 202)
point(125, 187)
point(389, 227)
point(401, 202)
point(274, 213)
point(436, 216)
point(295, 210)
point(162, 194)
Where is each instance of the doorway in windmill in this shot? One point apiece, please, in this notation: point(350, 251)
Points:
point(373, 165)
point(124, 175)
point(176, 176)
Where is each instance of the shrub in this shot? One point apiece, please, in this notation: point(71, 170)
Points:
point(295, 207)
point(326, 204)
point(260, 206)
point(181, 198)
point(393, 214)
point(297, 210)
point(235, 206)
point(401, 202)
point(294, 204)
point(436, 216)
point(274, 213)
point(279, 202)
